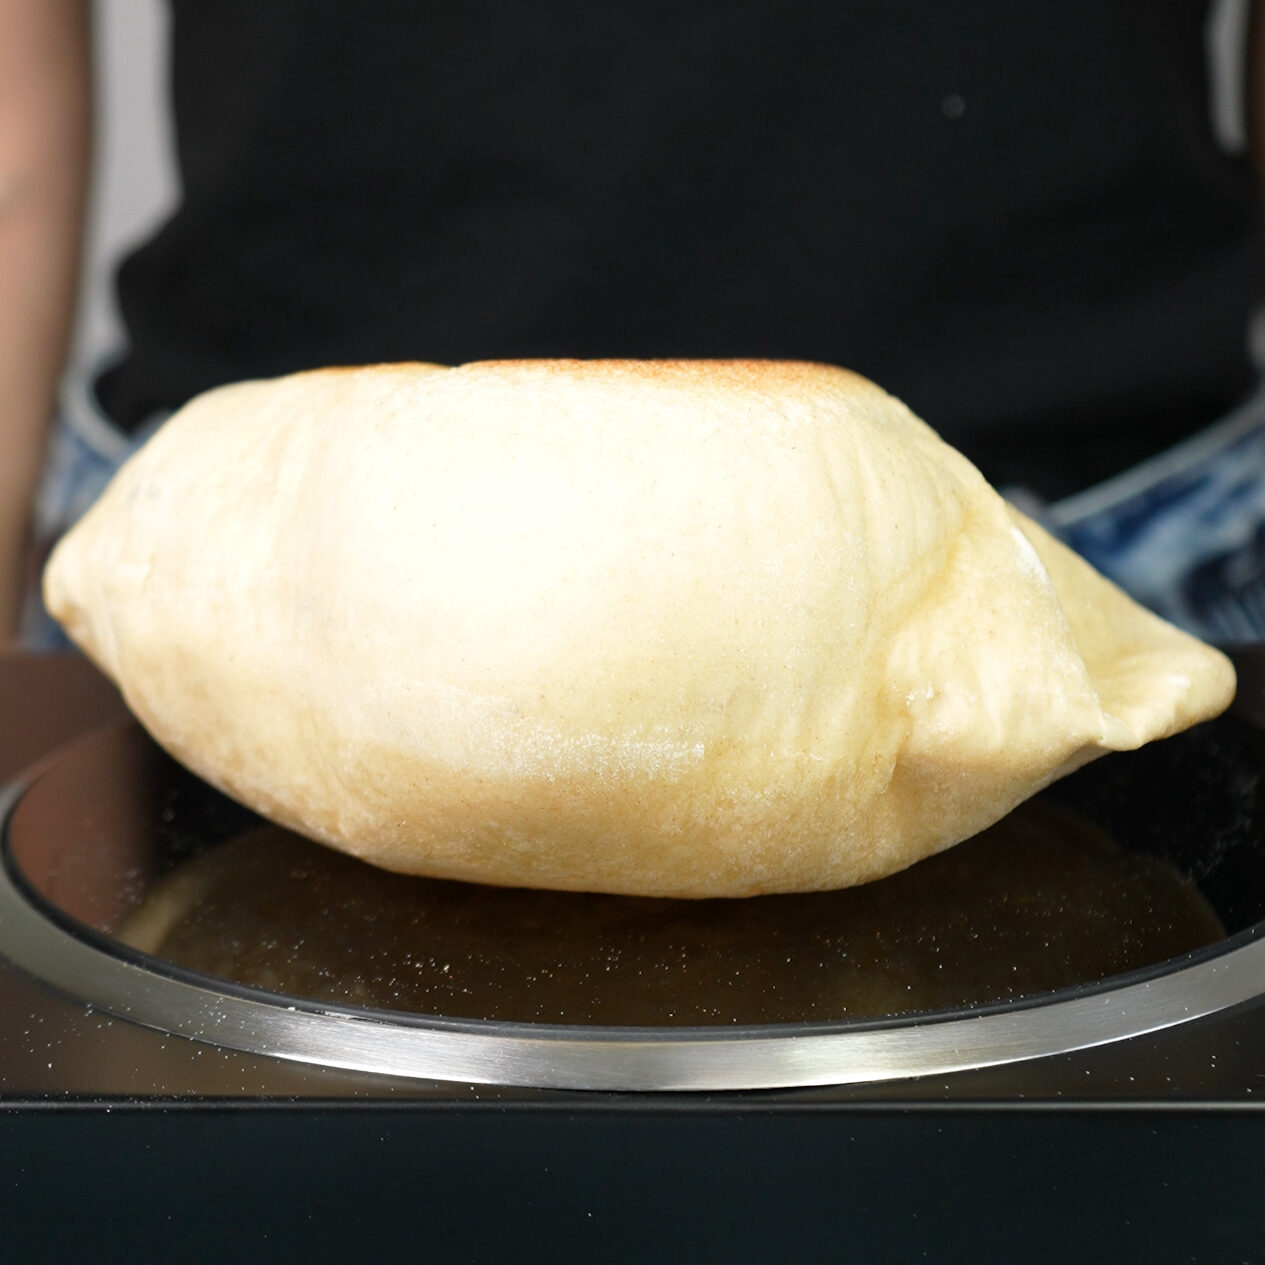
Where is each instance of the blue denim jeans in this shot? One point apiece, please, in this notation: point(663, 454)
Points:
point(1184, 532)
point(85, 450)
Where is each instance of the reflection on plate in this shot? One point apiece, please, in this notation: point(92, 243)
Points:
point(1042, 901)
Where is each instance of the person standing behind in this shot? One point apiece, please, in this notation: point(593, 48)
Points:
point(1016, 218)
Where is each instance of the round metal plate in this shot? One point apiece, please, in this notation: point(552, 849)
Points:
point(60, 900)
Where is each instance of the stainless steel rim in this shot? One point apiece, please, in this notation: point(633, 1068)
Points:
point(621, 1059)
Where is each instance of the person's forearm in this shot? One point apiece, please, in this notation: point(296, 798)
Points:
point(45, 96)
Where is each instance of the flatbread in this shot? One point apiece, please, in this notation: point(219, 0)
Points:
point(658, 628)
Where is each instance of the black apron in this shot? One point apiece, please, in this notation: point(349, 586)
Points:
point(1013, 216)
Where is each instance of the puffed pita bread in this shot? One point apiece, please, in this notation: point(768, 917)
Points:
point(664, 628)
